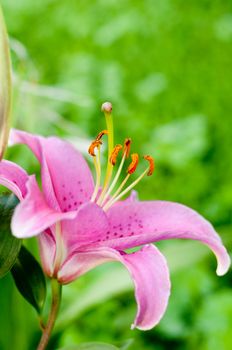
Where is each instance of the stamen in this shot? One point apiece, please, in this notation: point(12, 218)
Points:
point(97, 165)
point(114, 154)
point(134, 163)
point(131, 167)
point(151, 163)
point(117, 192)
point(95, 144)
point(104, 199)
point(101, 134)
point(96, 160)
point(115, 199)
point(127, 145)
point(126, 150)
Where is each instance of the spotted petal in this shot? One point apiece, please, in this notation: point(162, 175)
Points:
point(90, 225)
point(14, 178)
point(148, 270)
point(136, 223)
point(32, 216)
point(66, 178)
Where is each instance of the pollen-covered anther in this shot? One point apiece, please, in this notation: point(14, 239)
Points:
point(101, 134)
point(114, 154)
point(151, 164)
point(134, 162)
point(94, 144)
point(126, 149)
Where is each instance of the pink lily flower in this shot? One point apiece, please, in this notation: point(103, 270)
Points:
point(81, 225)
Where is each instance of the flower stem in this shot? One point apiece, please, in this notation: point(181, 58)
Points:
point(56, 299)
point(5, 86)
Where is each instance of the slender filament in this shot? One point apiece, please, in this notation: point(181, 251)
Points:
point(115, 179)
point(132, 185)
point(97, 165)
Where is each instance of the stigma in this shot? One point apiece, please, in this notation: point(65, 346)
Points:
point(107, 192)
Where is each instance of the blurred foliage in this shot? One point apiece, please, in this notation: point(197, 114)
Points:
point(9, 245)
point(29, 279)
point(166, 66)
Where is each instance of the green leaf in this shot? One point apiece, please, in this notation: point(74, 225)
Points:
point(29, 279)
point(9, 245)
point(91, 346)
point(5, 85)
point(126, 345)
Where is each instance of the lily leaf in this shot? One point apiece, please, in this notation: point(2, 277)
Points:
point(91, 346)
point(29, 279)
point(9, 245)
point(5, 85)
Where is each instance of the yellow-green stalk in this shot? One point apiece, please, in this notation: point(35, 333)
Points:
point(5, 86)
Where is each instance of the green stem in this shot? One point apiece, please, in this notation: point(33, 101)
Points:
point(56, 299)
point(5, 86)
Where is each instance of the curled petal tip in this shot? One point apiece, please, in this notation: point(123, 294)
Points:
point(107, 107)
point(223, 268)
point(142, 328)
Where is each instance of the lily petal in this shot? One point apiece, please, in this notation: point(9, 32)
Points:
point(47, 247)
point(136, 223)
point(32, 216)
point(133, 197)
point(66, 178)
point(14, 178)
point(90, 225)
point(148, 270)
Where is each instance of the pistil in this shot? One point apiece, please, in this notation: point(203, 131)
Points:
point(107, 110)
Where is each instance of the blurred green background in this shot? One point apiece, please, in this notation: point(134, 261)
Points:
point(166, 66)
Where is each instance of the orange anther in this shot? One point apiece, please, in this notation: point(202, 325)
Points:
point(151, 163)
point(94, 144)
point(114, 154)
point(134, 162)
point(102, 133)
point(127, 145)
